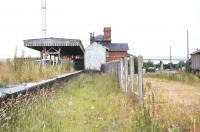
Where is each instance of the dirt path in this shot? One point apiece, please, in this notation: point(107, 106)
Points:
point(176, 91)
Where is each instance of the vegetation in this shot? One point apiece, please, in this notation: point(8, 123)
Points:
point(177, 66)
point(157, 115)
point(179, 76)
point(94, 102)
point(148, 64)
point(20, 71)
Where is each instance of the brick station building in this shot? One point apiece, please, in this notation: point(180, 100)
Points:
point(115, 51)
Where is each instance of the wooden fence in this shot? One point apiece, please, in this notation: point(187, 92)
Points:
point(124, 72)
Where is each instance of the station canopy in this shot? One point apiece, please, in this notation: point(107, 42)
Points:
point(67, 46)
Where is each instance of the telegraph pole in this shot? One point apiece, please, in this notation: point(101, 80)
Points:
point(187, 45)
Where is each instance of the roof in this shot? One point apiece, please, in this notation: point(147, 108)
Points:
point(53, 42)
point(196, 52)
point(99, 38)
point(117, 46)
point(95, 44)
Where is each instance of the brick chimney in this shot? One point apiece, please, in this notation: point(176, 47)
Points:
point(107, 34)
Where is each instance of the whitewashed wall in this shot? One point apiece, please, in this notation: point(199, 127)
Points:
point(95, 55)
point(195, 62)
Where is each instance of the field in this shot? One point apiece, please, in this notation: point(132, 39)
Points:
point(94, 102)
point(21, 71)
point(183, 77)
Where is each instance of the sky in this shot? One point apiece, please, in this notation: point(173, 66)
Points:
point(150, 27)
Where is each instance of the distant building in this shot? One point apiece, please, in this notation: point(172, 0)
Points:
point(115, 51)
point(94, 57)
point(195, 61)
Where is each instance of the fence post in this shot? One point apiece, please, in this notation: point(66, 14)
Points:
point(126, 75)
point(132, 74)
point(140, 77)
point(122, 74)
point(161, 65)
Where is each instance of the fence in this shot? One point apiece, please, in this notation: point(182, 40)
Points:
point(124, 71)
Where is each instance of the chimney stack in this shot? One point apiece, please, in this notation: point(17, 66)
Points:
point(107, 33)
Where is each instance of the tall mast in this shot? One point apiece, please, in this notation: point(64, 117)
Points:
point(44, 25)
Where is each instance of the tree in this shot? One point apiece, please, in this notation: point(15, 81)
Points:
point(148, 64)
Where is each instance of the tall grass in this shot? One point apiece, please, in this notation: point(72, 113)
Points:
point(155, 114)
point(20, 71)
point(91, 102)
point(94, 102)
point(179, 76)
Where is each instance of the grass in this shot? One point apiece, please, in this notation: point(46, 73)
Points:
point(94, 102)
point(179, 76)
point(156, 114)
point(21, 71)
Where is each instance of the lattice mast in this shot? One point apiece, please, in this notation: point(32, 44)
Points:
point(44, 23)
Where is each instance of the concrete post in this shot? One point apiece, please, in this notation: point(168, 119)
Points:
point(132, 74)
point(140, 77)
point(161, 65)
point(126, 75)
point(122, 74)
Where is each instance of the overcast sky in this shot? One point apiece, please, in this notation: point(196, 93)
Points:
point(149, 26)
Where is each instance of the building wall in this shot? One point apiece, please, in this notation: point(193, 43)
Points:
point(195, 62)
point(95, 55)
point(116, 55)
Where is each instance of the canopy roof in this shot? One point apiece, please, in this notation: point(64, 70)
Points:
point(68, 46)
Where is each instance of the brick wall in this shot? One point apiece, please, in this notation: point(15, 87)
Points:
point(116, 55)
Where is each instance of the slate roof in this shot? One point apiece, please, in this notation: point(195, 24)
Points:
point(117, 46)
point(99, 38)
